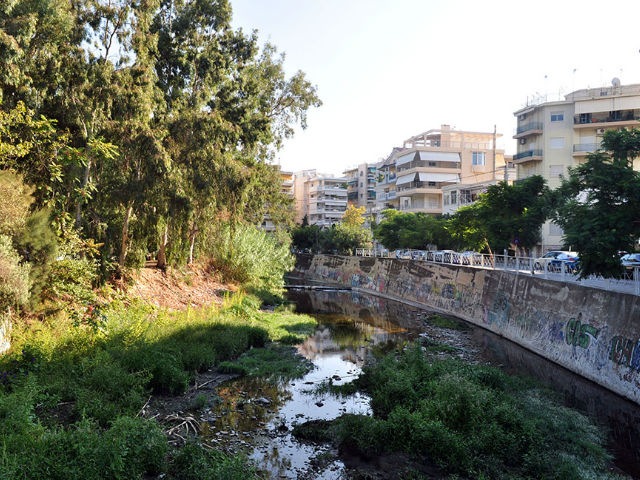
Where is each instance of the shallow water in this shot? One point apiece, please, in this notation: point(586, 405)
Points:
point(257, 416)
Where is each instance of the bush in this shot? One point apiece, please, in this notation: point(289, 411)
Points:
point(252, 257)
point(194, 462)
point(471, 420)
point(14, 276)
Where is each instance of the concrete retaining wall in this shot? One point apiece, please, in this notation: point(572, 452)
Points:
point(592, 332)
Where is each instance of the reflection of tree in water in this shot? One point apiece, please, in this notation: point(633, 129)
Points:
point(236, 411)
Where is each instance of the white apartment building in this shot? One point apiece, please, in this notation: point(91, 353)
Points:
point(361, 186)
point(321, 197)
point(413, 177)
point(555, 136)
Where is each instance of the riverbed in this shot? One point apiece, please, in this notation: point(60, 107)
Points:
point(257, 416)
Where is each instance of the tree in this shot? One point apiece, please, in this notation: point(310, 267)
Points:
point(410, 230)
point(505, 215)
point(353, 217)
point(598, 206)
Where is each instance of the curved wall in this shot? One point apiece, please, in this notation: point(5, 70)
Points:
point(592, 332)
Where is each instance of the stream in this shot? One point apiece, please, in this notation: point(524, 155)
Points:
point(257, 416)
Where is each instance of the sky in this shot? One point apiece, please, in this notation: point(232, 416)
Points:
point(387, 70)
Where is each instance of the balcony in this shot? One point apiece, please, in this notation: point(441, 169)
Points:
point(618, 118)
point(527, 156)
point(582, 149)
point(531, 128)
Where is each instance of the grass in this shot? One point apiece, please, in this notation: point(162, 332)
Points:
point(471, 421)
point(70, 393)
point(447, 322)
point(275, 361)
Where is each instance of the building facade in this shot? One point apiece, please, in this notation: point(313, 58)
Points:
point(555, 136)
point(413, 177)
point(322, 198)
point(361, 186)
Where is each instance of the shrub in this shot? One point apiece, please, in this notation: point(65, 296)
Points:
point(252, 257)
point(14, 276)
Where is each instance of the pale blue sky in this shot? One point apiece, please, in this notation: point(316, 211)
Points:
point(388, 70)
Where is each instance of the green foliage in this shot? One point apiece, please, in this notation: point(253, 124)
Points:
point(70, 395)
point(598, 206)
point(410, 230)
point(506, 215)
point(306, 237)
point(274, 361)
point(14, 276)
point(194, 462)
point(249, 256)
point(471, 420)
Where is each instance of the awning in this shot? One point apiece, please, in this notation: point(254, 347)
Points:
point(440, 156)
point(405, 159)
point(406, 179)
point(439, 177)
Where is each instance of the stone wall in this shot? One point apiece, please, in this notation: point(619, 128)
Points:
point(592, 332)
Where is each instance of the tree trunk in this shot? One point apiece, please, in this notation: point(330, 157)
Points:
point(192, 241)
point(125, 235)
point(162, 250)
point(85, 181)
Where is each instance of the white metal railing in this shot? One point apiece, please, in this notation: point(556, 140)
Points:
point(548, 268)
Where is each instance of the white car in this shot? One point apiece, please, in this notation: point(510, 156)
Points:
point(543, 262)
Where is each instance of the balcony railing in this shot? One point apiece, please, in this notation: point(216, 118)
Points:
point(586, 147)
point(527, 153)
point(529, 126)
point(615, 116)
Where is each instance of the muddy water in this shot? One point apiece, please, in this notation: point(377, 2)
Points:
point(257, 416)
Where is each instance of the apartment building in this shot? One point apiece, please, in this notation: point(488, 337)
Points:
point(555, 136)
point(458, 195)
point(286, 181)
point(361, 186)
point(321, 197)
point(413, 177)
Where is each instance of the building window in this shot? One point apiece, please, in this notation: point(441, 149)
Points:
point(477, 158)
point(454, 198)
point(555, 229)
point(361, 173)
point(432, 184)
point(557, 116)
point(556, 171)
point(360, 184)
point(362, 195)
point(432, 164)
point(557, 142)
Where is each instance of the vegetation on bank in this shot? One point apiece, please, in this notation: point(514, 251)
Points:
point(472, 421)
point(72, 390)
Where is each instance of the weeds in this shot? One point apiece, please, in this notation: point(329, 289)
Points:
point(70, 395)
point(470, 420)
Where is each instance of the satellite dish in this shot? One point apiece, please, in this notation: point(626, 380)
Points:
point(615, 82)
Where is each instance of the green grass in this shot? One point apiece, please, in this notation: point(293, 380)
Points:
point(447, 322)
point(70, 394)
point(470, 420)
point(274, 361)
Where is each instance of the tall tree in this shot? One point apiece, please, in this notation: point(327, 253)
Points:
point(599, 204)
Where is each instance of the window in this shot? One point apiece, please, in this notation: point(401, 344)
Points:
point(432, 164)
point(555, 171)
point(478, 158)
point(454, 199)
point(362, 195)
point(361, 173)
point(432, 184)
point(360, 184)
point(555, 229)
point(557, 142)
point(557, 116)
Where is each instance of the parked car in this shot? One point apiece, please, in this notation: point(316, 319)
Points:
point(470, 258)
point(568, 263)
point(543, 263)
point(631, 260)
point(418, 255)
